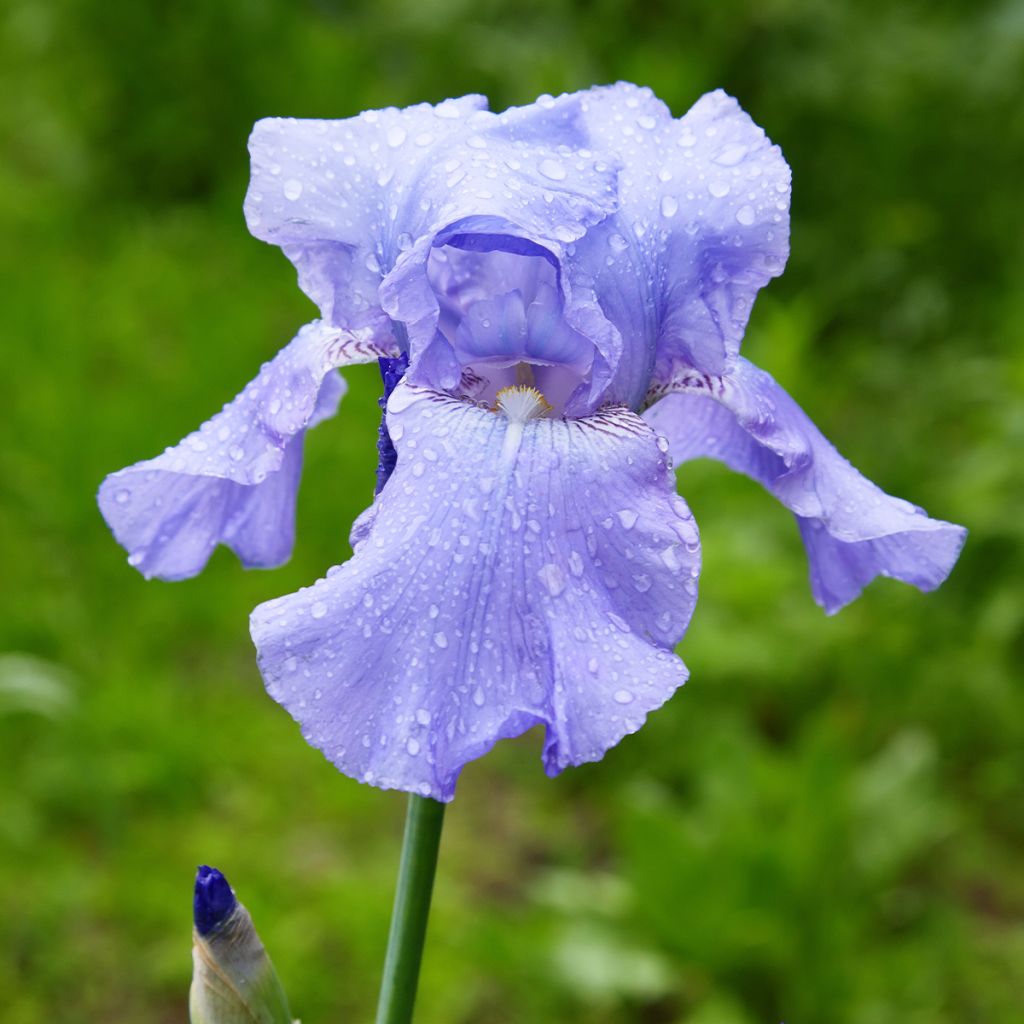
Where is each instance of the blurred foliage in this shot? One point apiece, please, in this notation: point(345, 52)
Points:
point(827, 825)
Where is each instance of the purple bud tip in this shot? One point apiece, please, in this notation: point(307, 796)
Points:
point(214, 900)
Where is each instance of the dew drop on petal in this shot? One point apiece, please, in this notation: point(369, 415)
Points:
point(553, 578)
point(623, 697)
point(745, 215)
point(396, 136)
point(292, 189)
point(669, 206)
point(318, 610)
point(731, 155)
point(552, 169)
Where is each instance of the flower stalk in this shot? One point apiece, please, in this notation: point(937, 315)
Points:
point(423, 823)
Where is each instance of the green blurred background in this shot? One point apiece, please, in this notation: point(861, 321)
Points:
point(826, 825)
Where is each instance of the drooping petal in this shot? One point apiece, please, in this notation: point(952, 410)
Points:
point(234, 480)
point(508, 575)
point(853, 531)
point(348, 200)
point(702, 225)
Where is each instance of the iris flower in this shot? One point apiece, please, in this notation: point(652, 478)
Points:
point(568, 284)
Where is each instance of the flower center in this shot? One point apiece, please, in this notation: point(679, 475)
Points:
point(521, 403)
point(501, 312)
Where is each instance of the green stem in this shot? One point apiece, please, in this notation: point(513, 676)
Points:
point(412, 907)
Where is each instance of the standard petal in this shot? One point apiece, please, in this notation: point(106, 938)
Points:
point(509, 575)
point(853, 530)
point(702, 225)
point(348, 200)
point(329, 192)
point(234, 480)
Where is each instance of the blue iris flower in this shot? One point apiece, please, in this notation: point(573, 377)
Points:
point(557, 294)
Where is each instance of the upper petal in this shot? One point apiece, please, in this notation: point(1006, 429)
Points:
point(349, 199)
point(702, 225)
point(234, 480)
point(508, 575)
point(852, 529)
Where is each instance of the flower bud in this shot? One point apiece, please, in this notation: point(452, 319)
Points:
point(233, 980)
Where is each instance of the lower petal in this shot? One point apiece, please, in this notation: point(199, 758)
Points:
point(509, 575)
point(853, 531)
point(234, 480)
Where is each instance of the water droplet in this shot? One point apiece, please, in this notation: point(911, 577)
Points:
point(292, 189)
point(396, 136)
point(553, 578)
point(122, 496)
point(413, 746)
point(318, 610)
point(617, 242)
point(593, 666)
point(731, 155)
point(236, 453)
point(745, 215)
point(719, 189)
point(669, 206)
point(441, 640)
point(628, 518)
point(670, 559)
point(552, 169)
point(623, 697)
point(646, 122)
point(423, 716)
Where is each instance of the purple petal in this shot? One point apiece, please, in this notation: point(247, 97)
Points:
point(509, 575)
point(234, 480)
point(355, 200)
point(853, 531)
point(702, 225)
point(328, 193)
